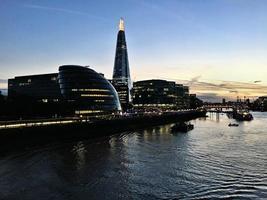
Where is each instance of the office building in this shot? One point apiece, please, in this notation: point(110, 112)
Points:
point(42, 88)
point(121, 73)
point(159, 94)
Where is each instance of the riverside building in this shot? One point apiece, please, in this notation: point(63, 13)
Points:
point(41, 88)
point(75, 90)
point(121, 73)
point(87, 92)
point(160, 94)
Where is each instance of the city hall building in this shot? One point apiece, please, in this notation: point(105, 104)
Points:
point(87, 91)
point(77, 90)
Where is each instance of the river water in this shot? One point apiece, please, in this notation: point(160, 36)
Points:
point(213, 161)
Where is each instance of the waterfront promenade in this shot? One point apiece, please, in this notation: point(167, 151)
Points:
point(35, 132)
point(72, 120)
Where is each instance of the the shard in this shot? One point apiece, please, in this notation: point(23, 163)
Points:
point(121, 73)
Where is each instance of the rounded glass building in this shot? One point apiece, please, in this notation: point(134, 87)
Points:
point(88, 92)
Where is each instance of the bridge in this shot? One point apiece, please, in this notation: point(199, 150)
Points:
point(220, 108)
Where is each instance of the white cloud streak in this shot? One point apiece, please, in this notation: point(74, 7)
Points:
point(63, 10)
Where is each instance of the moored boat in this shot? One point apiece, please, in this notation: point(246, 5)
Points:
point(233, 124)
point(242, 115)
point(182, 127)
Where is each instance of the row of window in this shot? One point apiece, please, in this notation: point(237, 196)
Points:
point(155, 105)
point(96, 95)
point(92, 90)
point(78, 112)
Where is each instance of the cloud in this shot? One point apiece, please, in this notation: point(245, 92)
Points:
point(216, 90)
point(63, 10)
point(233, 91)
point(194, 79)
point(3, 81)
point(232, 87)
point(187, 19)
point(3, 84)
point(209, 97)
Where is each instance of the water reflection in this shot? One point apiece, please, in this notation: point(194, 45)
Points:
point(211, 161)
point(80, 154)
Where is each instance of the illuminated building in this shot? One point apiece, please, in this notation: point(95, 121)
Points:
point(87, 91)
point(159, 94)
point(121, 74)
point(42, 88)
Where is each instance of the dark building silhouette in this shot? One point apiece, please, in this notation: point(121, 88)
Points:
point(260, 104)
point(87, 92)
point(43, 88)
point(32, 96)
point(183, 99)
point(121, 73)
point(75, 90)
point(1, 97)
point(194, 101)
point(159, 94)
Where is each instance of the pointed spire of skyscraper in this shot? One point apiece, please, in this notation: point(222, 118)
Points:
point(121, 73)
point(121, 24)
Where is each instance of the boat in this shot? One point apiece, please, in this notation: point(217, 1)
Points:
point(233, 124)
point(242, 115)
point(182, 127)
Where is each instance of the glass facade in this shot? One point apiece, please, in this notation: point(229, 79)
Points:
point(159, 94)
point(87, 91)
point(43, 88)
point(121, 72)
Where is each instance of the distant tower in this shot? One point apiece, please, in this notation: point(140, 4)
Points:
point(121, 72)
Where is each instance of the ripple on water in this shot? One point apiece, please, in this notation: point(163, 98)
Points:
point(212, 161)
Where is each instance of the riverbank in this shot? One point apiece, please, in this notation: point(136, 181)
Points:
point(213, 161)
point(80, 129)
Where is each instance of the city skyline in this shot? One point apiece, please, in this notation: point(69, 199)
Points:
point(216, 47)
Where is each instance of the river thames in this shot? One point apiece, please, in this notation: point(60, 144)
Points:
point(213, 161)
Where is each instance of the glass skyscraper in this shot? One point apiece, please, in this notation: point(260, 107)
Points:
point(121, 73)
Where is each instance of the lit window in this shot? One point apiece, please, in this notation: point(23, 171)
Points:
point(99, 100)
point(24, 84)
point(96, 95)
point(87, 111)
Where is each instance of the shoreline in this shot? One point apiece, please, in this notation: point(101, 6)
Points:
point(39, 135)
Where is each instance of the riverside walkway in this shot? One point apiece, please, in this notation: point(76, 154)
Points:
point(25, 133)
point(15, 124)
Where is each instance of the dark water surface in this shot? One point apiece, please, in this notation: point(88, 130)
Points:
point(212, 161)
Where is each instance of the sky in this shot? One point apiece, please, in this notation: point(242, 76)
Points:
point(217, 47)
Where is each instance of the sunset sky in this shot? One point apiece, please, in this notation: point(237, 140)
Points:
point(217, 47)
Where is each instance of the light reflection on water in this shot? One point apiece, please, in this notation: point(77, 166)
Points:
point(211, 161)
